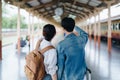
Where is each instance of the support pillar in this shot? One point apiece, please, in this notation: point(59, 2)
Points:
point(29, 28)
point(86, 25)
point(95, 30)
point(0, 30)
point(99, 30)
point(32, 32)
point(38, 27)
point(29, 25)
point(90, 31)
point(109, 28)
point(18, 29)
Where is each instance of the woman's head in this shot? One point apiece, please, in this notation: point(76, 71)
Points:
point(68, 24)
point(49, 32)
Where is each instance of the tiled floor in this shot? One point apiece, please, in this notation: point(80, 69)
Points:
point(104, 66)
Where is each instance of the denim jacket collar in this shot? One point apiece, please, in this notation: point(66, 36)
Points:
point(70, 35)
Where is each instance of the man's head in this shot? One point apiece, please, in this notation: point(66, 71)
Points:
point(49, 32)
point(68, 24)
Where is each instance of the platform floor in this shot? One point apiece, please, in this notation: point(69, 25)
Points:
point(104, 66)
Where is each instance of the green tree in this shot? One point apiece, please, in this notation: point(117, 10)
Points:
point(10, 21)
point(23, 24)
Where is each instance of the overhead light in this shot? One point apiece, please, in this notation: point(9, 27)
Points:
point(57, 18)
point(72, 16)
point(8, 2)
point(58, 11)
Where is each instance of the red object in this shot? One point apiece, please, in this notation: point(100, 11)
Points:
point(0, 50)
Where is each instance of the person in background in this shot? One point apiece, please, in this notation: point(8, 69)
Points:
point(28, 40)
point(71, 52)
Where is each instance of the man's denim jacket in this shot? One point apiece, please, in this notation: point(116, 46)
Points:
point(71, 56)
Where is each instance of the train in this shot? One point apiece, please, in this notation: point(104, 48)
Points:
point(115, 30)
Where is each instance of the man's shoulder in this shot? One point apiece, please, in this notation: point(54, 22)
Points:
point(61, 42)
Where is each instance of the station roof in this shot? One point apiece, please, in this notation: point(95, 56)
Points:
point(55, 10)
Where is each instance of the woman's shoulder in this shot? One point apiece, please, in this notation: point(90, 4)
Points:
point(45, 43)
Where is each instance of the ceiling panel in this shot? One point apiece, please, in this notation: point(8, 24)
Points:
point(54, 6)
point(74, 7)
point(34, 3)
point(48, 8)
point(42, 10)
point(80, 8)
point(45, 1)
point(83, 1)
point(91, 3)
point(96, 1)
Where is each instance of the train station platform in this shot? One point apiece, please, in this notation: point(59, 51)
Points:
point(104, 65)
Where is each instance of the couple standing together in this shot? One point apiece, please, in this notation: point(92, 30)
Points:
point(67, 61)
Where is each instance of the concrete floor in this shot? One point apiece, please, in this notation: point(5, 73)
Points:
point(104, 66)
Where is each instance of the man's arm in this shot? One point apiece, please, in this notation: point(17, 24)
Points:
point(60, 63)
point(82, 35)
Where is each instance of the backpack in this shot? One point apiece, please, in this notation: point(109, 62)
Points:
point(34, 68)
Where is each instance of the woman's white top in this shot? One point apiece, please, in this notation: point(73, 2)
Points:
point(50, 58)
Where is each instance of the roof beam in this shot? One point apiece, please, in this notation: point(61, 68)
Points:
point(45, 5)
point(85, 6)
point(82, 11)
point(75, 12)
point(25, 1)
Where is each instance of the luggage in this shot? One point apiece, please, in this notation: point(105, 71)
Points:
point(34, 68)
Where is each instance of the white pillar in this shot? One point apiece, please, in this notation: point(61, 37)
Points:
point(38, 28)
point(86, 25)
point(99, 25)
point(32, 32)
point(32, 25)
point(0, 30)
point(109, 28)
point(29, 30)
point(18, 29)
point(29, 24)
point(95, 30)
point(109, 21)
point(99, 30)
point(90, 31)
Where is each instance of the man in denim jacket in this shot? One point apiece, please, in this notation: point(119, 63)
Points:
point(71, 52)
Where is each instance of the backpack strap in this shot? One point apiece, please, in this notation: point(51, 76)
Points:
point(44, 49)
